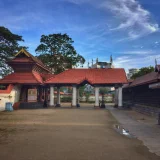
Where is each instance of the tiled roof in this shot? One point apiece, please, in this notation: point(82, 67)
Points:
point(148, 78)
point(22, 78)
point(46, 76)
point(93, 76)
point(30, 58)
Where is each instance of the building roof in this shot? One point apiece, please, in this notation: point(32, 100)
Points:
point(30, 58)
point(92, 76)
point(148, 78)
point(22, 78)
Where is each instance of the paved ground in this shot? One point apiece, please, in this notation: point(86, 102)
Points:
point(144, 127)
point(66, 134)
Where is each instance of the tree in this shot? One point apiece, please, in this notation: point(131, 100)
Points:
point(58, 53)
point(81, 91)
point(8, 47)
point(142, 71)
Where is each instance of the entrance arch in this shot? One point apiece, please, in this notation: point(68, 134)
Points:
point(112, 77)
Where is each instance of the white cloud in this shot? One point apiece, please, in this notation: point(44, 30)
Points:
point(128, 62)
point(134, 18)
point(138, 52)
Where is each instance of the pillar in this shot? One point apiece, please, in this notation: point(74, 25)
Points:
point(78, 105)
point(51, 96)
point(120, 103)
point(74, 95)
point(96, 96)
point(45, 104)
point(58, 97)
point(116, 97)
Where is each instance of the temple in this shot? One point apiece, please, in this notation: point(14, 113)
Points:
point(32, 84)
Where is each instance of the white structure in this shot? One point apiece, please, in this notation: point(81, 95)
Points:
point(96, 96)
point(131, 72)
point(74, 97)
point(58, 97)
point(12, 97)
point(102, 64)
point(51, 96)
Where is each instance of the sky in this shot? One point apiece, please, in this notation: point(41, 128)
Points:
point(126, 29)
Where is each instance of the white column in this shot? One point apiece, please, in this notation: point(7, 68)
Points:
point(51, 96)
point(116, 97)
point(120, 97)
point(77, 95)
point(96, 96)
point(74, 100)
point(58, 96)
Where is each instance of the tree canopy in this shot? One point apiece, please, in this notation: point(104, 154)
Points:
point(57, 52)
point(8, 47)
point(142, 71)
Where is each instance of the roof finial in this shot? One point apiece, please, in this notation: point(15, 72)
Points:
point(88, 64)
point(156, 62)
point(97, 60)
point(111, 59)
point(92, 62)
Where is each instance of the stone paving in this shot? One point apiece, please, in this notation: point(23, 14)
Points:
point(143, 127)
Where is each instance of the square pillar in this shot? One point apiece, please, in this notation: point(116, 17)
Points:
point(74, 95)
point(116, 97)
point(58, 97)
point(96, 96)
point(51, 96)
point(120, 103)
point(45, 104)
point(78, 105)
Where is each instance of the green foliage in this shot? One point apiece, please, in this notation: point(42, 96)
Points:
point(2, 87)
point(58, 53)
point(103, 90)
point(66, 99)
point(8, 47)
point(81, 91)
point(143, 71)
point(87, 95)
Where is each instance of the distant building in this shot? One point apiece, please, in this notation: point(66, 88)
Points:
point(131, 72)
point(102, 64)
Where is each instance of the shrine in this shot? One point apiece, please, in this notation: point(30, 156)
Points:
point(32, 84)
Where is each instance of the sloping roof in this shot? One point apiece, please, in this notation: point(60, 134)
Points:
point(46, 76)
point(148, 78)
point(93, 76)
point(32, 58)
point(22, 78)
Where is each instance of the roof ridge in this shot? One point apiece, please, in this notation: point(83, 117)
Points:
point(57, 75)
point(33, 73)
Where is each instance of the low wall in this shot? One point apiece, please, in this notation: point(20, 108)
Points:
point(13, 96)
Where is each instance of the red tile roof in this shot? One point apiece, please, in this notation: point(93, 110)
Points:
point(148, 78)
point(29, 58)
point(93, 76)
point(46, 76)
point(22, 78)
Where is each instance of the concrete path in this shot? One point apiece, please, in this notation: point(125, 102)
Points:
point(66, 134)
point(143, 127)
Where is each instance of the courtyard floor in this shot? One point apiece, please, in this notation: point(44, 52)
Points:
point(66, 134)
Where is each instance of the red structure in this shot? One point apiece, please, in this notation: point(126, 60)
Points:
point(32, 81)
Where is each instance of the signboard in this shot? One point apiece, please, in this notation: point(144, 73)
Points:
point(32, 95)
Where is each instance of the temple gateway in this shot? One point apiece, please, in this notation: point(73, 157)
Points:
point(32, 84)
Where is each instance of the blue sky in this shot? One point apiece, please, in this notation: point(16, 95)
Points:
point(126, 29)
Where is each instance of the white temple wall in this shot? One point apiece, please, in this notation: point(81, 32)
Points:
point(12, 97)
